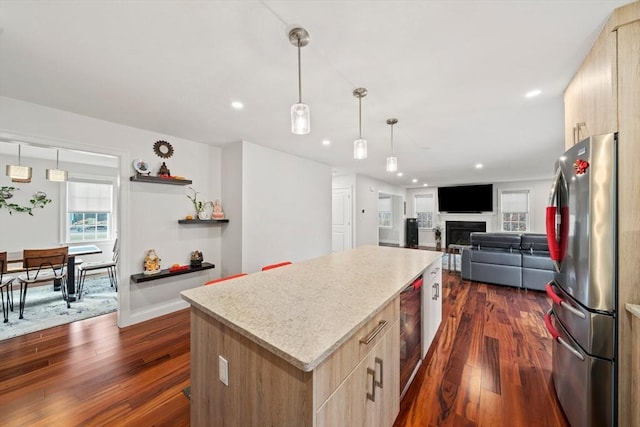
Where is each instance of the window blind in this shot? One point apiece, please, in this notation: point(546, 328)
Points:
point(515, 201)
point(89, 197)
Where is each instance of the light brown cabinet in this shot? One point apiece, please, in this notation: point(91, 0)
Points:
point(591, 97)
point(605, 96)
point(369, 395)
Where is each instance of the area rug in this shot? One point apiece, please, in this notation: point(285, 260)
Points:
point(45, 308)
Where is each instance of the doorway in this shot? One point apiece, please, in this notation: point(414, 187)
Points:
point(341, 219)
point(390, 220)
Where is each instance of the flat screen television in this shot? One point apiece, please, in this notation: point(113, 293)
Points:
point(466, 198)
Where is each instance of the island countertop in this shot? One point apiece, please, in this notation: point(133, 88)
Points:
point(304, 311)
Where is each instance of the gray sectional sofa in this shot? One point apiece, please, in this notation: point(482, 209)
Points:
point(519, 260)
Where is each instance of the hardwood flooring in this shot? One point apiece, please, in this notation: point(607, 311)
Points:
point(490, 366)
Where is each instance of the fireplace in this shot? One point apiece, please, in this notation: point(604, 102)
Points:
point(458, 232)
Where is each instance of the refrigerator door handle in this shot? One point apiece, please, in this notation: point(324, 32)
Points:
point(557, 249)
point(561, 302)
point(556, 336)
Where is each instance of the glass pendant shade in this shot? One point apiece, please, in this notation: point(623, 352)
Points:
point(57, 175)
point(300, 119)
point(392, 164)
point(360, 149)
point(19, 173)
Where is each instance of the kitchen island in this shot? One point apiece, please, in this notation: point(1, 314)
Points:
point(313, 343)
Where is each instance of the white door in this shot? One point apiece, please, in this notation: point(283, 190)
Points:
point(341, 219)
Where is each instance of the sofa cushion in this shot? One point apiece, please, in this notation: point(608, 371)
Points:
point(537, 261)
point(497, 274)
point(496, 257)
point(534, 243)
point(496, 241)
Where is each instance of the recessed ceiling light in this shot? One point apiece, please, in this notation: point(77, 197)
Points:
point(425, 185)
point(237, 105)
point(533, 93)
point(414, 180)
point(326, 142)
point(400, 174)
point(479, 166)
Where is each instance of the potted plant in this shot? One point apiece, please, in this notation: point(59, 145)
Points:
point(437, 231)
point(203, 209)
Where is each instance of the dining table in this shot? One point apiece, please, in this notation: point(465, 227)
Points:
point(74, 251)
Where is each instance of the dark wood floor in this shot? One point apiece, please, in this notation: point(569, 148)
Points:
point(490, 366)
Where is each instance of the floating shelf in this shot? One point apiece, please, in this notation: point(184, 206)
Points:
point(141, 277)
point(159, 180)
point(202, 221)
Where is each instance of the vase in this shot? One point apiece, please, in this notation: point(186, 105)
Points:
point(203, 215)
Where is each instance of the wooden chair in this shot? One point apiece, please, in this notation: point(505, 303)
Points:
point(6, 283)
point(43, 265)
point(110, 266)
point(222, 279)
point(280, 264)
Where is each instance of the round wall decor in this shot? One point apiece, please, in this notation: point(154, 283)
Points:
point(163, 149)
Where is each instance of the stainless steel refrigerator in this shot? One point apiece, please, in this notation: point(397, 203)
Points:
point(581, 231)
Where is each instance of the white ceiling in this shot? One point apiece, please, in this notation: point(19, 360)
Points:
point(453, 72)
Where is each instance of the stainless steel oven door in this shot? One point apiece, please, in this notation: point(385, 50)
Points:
point(584, 384)
point(594, 332)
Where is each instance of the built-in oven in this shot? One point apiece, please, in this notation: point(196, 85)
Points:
point(410, 333)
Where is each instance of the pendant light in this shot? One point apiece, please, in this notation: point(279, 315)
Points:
point(300, 113)
point(360, 145)
point(19, 173)
point(392, 161)
point(56, 174)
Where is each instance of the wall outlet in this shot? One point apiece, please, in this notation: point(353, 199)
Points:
point(223, 370)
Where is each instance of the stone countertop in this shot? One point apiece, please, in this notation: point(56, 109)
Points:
point(633, 309)
point(304, 311)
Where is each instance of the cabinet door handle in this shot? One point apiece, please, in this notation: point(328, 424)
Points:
point(371, 335)
point(372, 396)
point(379, 362)
point(437, 290)
point(434, 294)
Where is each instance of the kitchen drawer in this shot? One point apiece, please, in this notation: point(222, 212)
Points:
point(330, 373)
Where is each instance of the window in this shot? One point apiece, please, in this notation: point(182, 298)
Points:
point(424, 210)
point(385, 215)
point(89, 211)
point(514, 206)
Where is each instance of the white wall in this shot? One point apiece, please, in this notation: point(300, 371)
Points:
point(538, 198)
point(149, 213)
point(232, 197)
point(286, 208)
point(366, 215)
point(394, 205)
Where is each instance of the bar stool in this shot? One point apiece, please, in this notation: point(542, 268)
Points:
point(280, 264)
point(222, 279)
point(6, 283)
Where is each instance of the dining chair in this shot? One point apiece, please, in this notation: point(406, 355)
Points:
point(110, 266)
point(6, 283)
point(280, 264)
point(43, 265)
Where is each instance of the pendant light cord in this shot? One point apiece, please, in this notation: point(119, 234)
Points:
point(392, 140)
point(299, 75)
point(360, 116)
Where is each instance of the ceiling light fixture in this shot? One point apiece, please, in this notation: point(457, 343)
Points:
point(414, 180)
point(326, 142)
point(237, 105)
point(392, 161)
point(400, 174)
point(533, 93)
point(56, 174)
point(479, 166)
point(300, 113)
point(360, 145)
point(19, 173)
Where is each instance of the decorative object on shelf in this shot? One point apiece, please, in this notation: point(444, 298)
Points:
point(203, 209)
point(437, 231)
point(217, 210)
point(164, 171)
point(141, 167)
point(38, 200)
point(300, 113)
point(196, 259)
point(19, 173)
point(57, 175)
point(163, 149)
point(392, 160)
point(151, 262)
point(360, 144)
